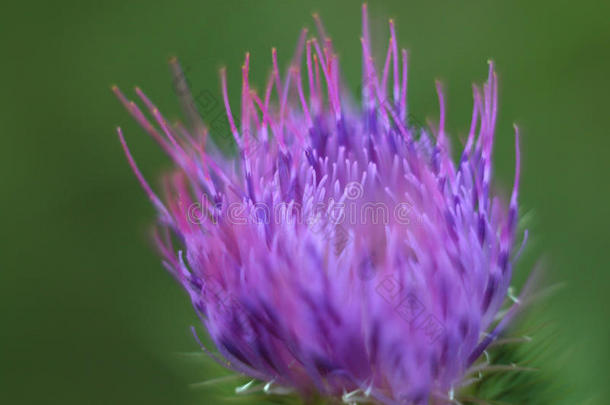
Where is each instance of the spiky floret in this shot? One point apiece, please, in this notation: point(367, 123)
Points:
point(342, 252)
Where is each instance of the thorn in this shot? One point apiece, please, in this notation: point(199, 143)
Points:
point(243, 388)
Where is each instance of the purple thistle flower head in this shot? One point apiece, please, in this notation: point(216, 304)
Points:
point(342, 252)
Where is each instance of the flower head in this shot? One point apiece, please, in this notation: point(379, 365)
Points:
point(342, 251)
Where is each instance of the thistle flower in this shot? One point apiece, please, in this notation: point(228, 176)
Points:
point(342, 253)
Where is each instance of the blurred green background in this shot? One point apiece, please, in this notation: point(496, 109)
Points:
point(89, 316)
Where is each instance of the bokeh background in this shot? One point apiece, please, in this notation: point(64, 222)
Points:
point(88, 314)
